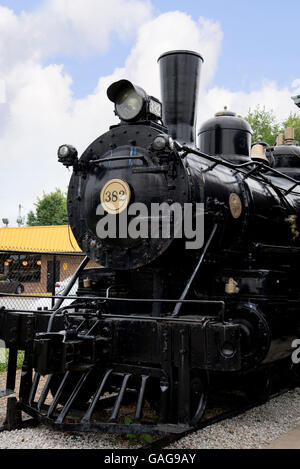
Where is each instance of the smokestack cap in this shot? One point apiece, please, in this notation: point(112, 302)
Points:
point(176, 52)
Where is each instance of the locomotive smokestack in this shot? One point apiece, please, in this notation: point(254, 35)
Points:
point(180, 76)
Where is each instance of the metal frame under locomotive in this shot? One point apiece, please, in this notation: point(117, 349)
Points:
point(158, 344)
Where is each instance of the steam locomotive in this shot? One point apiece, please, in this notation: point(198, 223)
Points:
point(162, 317)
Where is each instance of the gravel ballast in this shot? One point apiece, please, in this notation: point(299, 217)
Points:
point(252, 430)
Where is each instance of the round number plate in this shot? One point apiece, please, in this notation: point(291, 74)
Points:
point(115, 196)
point(235, 205)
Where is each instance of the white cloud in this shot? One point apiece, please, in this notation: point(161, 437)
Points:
point(269, 95)
point(296, 86)
point(41, 112)
point(93, 21)
point(68, 26)
point(2, 92)
point(171, 31)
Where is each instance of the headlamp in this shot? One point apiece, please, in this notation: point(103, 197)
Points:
point(63, 151)
point(132, 102)
point(67, 155)
point(129, 104)
point(161, 142)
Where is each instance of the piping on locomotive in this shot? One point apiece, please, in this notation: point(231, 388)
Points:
point(156, 321)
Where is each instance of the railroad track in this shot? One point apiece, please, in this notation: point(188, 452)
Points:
point(166, 440)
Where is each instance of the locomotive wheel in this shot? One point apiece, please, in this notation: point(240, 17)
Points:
point(199, 383)
point(198, 395)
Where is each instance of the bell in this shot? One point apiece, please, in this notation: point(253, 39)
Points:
point(258, 151)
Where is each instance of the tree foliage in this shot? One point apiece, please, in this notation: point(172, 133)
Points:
point(263, 123)
point(51, 209)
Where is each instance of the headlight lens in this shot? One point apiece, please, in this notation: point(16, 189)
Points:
point(67, 155)
point(129, 104)
point(63, 151)
point(159, 143)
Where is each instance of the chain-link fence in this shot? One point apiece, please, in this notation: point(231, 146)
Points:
point(4, 356)
point(35, 275)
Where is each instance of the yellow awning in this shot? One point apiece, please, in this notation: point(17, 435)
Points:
point(50, 239)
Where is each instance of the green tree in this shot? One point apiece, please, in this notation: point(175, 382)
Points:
point(293, 121)
point(263, 123)
point(51, 209)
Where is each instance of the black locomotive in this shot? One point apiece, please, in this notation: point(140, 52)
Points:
point(156, 321)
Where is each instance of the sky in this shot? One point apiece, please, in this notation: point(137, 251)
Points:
point(57, 58)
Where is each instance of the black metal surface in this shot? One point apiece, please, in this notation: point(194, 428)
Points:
point(11, 369)
point(119, 300)
point(87, 417)
point(287, 157)
point(116, 409)
point(140, 174)
point(228, 136)
point(140, 402)
point(71, 283)
point(180, 75)
point(189, 284)
point(72, 397)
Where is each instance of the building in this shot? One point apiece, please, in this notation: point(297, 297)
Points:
point(39, 256)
